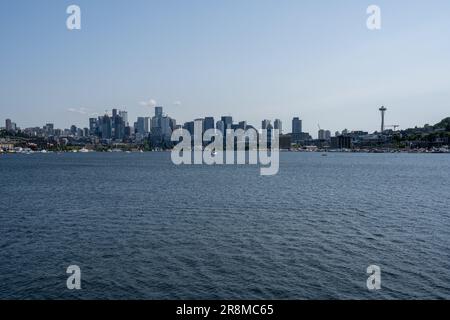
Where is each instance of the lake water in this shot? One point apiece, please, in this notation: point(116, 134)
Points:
point(141, 228)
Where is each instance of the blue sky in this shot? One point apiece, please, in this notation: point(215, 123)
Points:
point(252, 59)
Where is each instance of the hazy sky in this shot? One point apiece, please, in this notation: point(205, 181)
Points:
point(252, 59)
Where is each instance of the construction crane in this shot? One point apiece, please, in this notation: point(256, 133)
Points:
point(395, 126)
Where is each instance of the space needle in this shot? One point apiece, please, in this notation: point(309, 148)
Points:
point(382, 110)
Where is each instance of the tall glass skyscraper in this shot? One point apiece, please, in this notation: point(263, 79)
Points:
point(278, 125)
point(158, 112)
point(208, 123)
point(227, 121)
point(296, 126)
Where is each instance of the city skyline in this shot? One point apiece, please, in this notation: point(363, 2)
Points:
point(286, 125)
point(83, 113)
point(157, 132)
point(144, 125)
point(208, 59)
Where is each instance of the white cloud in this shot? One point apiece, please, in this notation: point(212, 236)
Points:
point(79, 110)
point(150, 103)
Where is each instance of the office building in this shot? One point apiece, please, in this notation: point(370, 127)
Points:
point(8, 125)
point(142, 126)
point(189, 126)
point(119, 127)
point(158, 112)
point(124, 116)
point(173, 124)
point(278, 125)
point(93, 126)
point(220, 125)
point(166, 130)
point(297, 136)
point(242, 125)
point(106, 125)
point(285, 142)
point(73, 130)
point(49, 129)
point(341, 142)
point(227, 121)
point(265, 124)
point(296, 126)
point(321, 134)
point(208, 123)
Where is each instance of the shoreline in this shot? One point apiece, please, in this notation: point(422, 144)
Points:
point(323, 152)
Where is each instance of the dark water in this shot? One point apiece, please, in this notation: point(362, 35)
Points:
point(139, 227)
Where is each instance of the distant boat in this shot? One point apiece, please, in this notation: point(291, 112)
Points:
point(84, 150)
point(324, 155)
